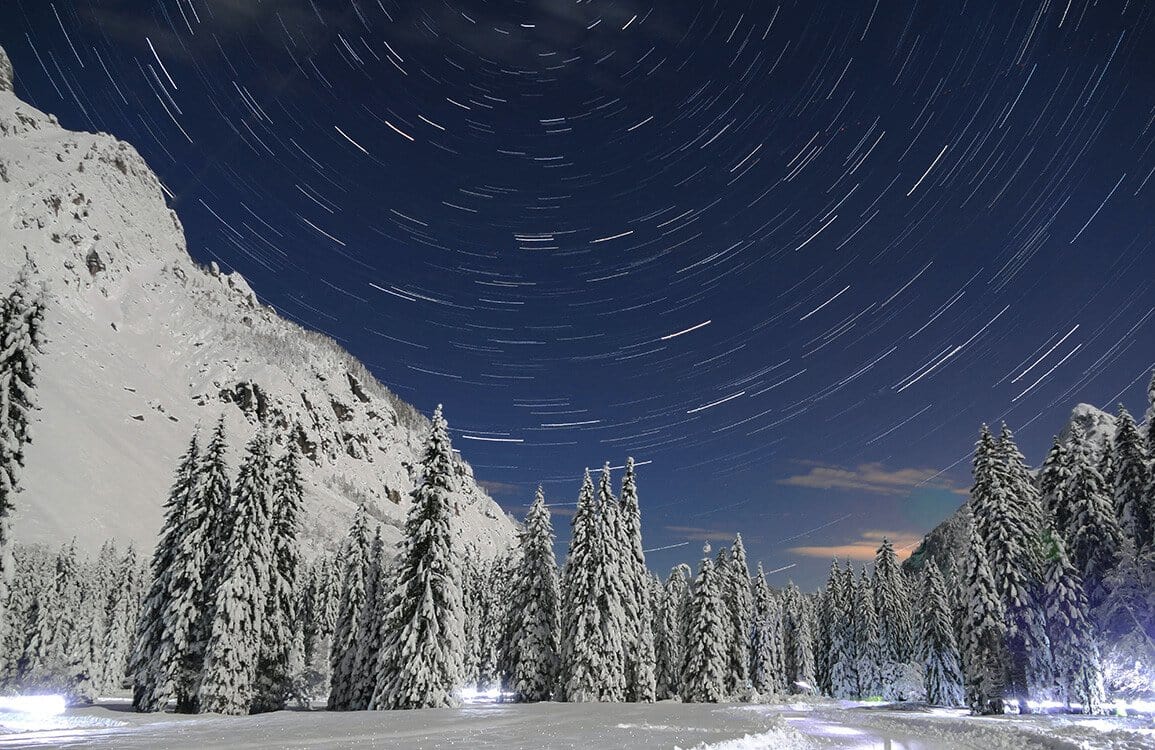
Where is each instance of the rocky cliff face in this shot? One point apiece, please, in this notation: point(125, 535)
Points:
point(144, 346)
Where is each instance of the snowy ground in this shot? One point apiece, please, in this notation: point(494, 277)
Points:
point(584, 726)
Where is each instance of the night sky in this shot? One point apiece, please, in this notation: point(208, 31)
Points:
point(789, 256)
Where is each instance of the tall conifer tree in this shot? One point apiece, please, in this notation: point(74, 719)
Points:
point(227, 686)
point(421, 660)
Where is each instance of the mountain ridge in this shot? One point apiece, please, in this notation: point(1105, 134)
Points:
point(144, 345)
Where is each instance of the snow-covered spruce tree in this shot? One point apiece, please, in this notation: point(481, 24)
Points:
point(844, 616)
point(1004, 506)
point(120, 617)
point(583, 651)
point(472, 602)
point(614, 591)
point(868, 640)
point(99, 587)
point(895, 620)
point(21, 338)
point(942, 669)
point(738, 601)
point(214, 498)
point(52, 657)
point(195, 570)
point(1053, 480)
point(279, 659)
point(722, 569)
point(1126, 620)
point(235, 644)
point(640, 653)
point(706, 657)
point(493, 636)
point(151, 673)
point(1150, 415)
point(671, 633)
point(1092, 535)
point(1074, 646)
point(984, 649)
point(1132, 503)
point(768, 666)
point(318, 618)
point(534, 607)
point(421, 653)
point(798, 635)
point(368, 636)
point(343, 653)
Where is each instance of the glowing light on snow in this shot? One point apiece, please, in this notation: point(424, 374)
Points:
point(474, 695)
point(34, 705)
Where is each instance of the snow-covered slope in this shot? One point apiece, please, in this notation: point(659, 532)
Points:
point(143, 346)
point(948, 540)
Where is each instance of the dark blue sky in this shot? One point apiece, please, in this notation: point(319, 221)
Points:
point(792, 254)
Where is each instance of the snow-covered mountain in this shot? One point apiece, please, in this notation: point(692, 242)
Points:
point(948, 540)
point(143, 346)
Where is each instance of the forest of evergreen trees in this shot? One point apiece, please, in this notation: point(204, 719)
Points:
point(1052, 606)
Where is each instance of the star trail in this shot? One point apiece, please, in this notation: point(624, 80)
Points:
point(758, 246)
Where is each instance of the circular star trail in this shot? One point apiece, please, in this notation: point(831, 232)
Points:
point(787, 255)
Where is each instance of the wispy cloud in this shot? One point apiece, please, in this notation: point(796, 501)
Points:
point(875, 478)
point(863, 548)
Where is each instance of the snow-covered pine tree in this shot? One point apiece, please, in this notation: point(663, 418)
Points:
point(151, 673)
point(278, 660)
point(120, 616)
point(942, 670)
point(640, 653)
point(1075, 650)
point(83, 657)
point(1150, 416)
point(367, 641)
point(1053, 480)
point(190, 605)
point(234, 647)
point(21, 339)
point(768, 668)
point(895, 620)
point(984, 650)
point(798, 636)
point(215, 517)
point(844, 615)
point(1132, 503)
point(492, 584)
point(343, 653)
point(1092, 536)
point(706, 657)
point(722, 569)
point(101, 583)
point(318, 618)
point(471, 605)
point(1126, 621)
point(534, 606)
point(671, 633)
point(421, 654)
point(868, 640)
point(583, 652)
point(1004, 506)
point(738, 600)
point(614, 589)
point(823, 627)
